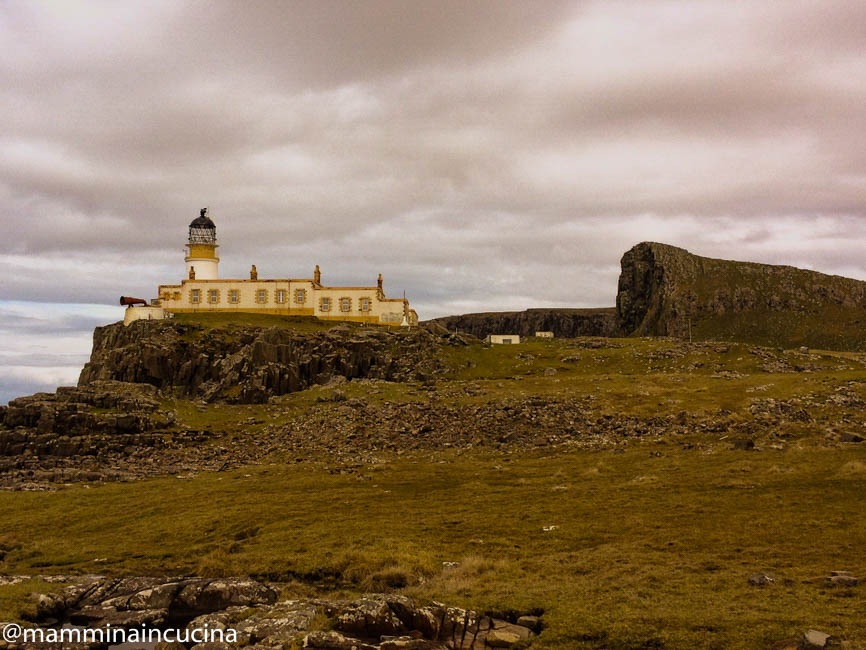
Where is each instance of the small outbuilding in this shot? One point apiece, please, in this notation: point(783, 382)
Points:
point(544, 335)
point(502, 339)
point(143, 312)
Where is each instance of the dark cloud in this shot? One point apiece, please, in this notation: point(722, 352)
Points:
point(44, 345)
point(14, 321)
point(12, 388)
point(481, 155)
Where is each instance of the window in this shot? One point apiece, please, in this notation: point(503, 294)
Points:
point(364, 304)
point(345, 304)
point(195, 296)
point(300, 296)
point(324, 304)
point(262, 296)
point(234, 296)
point(281, 296)
point(176, 295)
point(213, 296)
point(506, 341)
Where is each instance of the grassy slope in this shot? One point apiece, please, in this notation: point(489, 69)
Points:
point(654, 543)
point(647, 547)
point(828, 327)
point(245, 319)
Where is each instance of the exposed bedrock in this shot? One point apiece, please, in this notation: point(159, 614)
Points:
point(251, 364)
point(667, 291)
point(254, 612)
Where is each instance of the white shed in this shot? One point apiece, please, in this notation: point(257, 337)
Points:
point(502, 339)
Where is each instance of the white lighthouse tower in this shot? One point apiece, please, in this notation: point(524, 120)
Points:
point(202, 262)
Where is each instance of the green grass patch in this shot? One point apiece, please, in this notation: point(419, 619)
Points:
point(644, 548)
point(309, 324)
point(17, 604)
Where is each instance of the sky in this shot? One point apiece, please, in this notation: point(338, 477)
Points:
point(481, 155)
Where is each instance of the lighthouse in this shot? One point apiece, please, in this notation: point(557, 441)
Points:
point(202, 262)
point(202, 290)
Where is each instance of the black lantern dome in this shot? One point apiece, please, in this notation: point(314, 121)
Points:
point(202, 230)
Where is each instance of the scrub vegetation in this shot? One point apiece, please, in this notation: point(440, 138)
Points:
point(644, 542)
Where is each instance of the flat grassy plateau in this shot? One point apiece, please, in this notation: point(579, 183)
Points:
point(645, 542)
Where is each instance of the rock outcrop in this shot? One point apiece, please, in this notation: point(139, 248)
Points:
point(123, 602)
point(667, 291)
point(251, 364)
point(107, 430)
point(252, 611)
point(564, 323)
point(103, 407)
point(93, 422)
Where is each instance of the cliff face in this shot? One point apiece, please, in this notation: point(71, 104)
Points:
point(564, 323)
point(667, 291)
point(251, 364)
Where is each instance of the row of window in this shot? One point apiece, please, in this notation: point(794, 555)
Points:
point(280, 296)
point(234, 296)
point(344, 304)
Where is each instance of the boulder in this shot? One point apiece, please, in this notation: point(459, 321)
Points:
point(333, 640)
point(370, 617)
point(212, 595)
point(814, 639)
point(133, 600)
point(530, 622)
point(761, 579)
point(842, 579)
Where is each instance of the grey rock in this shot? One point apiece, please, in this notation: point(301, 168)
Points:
point(813, 639)
point(332, 640)
point(761, 579)
point(531, 622)
point(212, 595)
point(370, 616)
point(504, 635)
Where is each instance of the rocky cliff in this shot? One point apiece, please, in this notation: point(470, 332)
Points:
point(667, 291)
point(564, 323)
point(251, 364)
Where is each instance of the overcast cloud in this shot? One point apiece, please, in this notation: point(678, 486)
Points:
point(481, 155)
